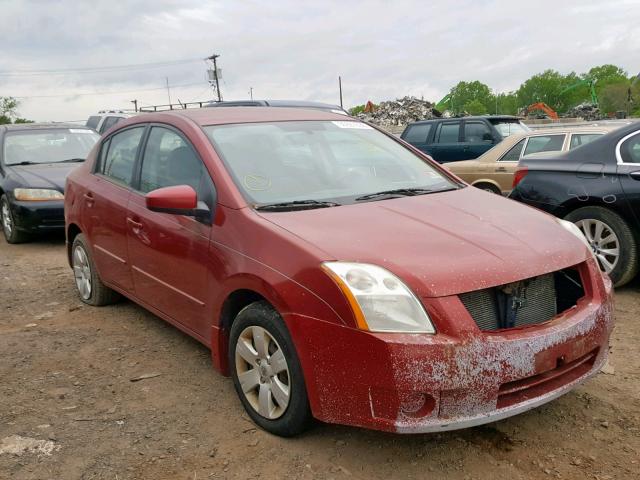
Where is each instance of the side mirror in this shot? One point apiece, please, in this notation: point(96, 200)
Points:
point(487, 137)
point(179, 200)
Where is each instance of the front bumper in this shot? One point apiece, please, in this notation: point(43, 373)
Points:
point(425, 383)
point(36, 217)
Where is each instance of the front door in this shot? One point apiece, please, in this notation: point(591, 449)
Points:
point(478, 138)
point(105, 206)
point(169, 252)
point(628, 170)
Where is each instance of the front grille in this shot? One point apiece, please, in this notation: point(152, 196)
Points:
point(526, 302)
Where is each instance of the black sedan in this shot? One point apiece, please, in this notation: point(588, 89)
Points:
point(35, 160)
point(596, 186)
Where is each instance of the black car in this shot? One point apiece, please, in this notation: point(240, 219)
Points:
point(466, 138)
point(596, 186)
point(35, 160)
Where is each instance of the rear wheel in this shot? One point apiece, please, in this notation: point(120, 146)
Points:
point(488, 187)
point(90, 288)
point(11, 233)
point(611, 240)
point(266, 371)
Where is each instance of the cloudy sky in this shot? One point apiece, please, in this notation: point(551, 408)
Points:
point(290, 49)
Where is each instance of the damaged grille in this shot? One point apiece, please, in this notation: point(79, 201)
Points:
point(526, 302)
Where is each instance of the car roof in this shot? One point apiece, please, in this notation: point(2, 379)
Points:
point(227, 115)
point(476, 117)
point(275, 103)
point(13, 127)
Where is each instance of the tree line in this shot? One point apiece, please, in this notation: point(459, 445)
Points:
point(609, 86)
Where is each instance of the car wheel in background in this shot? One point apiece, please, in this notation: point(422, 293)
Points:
point(90, 288)
point(266, 371)
point(488, 187)
point(11, 233)
point(611, 240)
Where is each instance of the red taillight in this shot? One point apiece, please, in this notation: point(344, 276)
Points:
point(521, 172)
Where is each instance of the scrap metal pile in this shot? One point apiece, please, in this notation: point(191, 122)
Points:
point(400, 112)
point(586, 111)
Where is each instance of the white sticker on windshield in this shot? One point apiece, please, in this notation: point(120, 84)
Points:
point(80, 130)
point(358, 125)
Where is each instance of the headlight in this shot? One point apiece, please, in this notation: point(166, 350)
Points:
point(380, 301)
point(36, 194)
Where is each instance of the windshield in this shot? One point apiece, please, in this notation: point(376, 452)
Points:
point(48, 145)
point(319, 160)
point(509, 127)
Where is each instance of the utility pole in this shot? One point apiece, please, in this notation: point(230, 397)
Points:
point(135, 105)
point(168, 91)
point(340, 87)
point(215, 74)
point(251, 92)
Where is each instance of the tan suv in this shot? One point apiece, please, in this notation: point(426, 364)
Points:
point(493, 171)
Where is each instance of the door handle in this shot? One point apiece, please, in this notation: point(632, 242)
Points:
point(635, 175)
point(134, 224)
point(88, 196)
point(465, 148)
point(501, 169)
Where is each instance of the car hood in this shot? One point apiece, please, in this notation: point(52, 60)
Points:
point(46, 175)
point(443, 243)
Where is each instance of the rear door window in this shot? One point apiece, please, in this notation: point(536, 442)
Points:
point(544, 143)
point(513, 155)
point(448, 133)
point(108, 123)
point(477, 132)
point(117, 164)
point(93, 122)
point(418, 133)
point(630, 150)
point(578, 139)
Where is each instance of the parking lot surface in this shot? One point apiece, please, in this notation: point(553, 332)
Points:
point(117, 393)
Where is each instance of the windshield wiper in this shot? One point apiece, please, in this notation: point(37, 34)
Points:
point(405, 192)
point(22, 163)
point(72, 160)
point(296, 205)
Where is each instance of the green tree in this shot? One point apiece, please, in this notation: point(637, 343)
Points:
point(465, 93)
point(507, 104)
point(475, 107)
point(607, 75)
point(9, 111)
point(550, 87)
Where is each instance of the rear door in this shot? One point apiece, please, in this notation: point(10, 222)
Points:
point(447, 143)
point(628, 169)
point(417, 135)
point(169, 252)
point(478, 138)
point(506, 166)
point(104, 206)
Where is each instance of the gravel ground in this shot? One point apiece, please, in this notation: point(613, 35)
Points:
point(69, 410)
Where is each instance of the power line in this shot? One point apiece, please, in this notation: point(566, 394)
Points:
point(71, 94)
point(111, 68)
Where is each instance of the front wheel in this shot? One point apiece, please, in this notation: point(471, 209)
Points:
point(90, 288)
point(266, 371)
point(11, 232)
point(611, 240)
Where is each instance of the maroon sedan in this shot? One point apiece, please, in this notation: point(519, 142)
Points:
point(336, 272)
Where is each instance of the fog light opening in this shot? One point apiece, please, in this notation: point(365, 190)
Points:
point(416, 405)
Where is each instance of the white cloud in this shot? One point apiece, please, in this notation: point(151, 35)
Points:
point(291, 49)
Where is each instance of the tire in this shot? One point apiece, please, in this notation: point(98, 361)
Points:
point(11, 233)
point(94, 292)
point(626, 265)
point(488, 187)
point(270, 377)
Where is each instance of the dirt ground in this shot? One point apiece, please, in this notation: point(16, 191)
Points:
point(69, 410)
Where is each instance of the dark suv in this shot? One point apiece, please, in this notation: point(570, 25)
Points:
point(453, 139)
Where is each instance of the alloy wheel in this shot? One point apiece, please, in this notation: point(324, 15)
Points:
point(7, 223)
point(263, 372)
point(82, 272)
point(604, 242)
